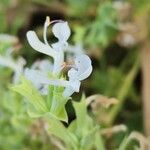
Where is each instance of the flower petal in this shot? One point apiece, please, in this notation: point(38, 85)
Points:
point(68, 92)
point(43, 65)
point(83, 68)
point(58, 46)
point(74, 87)
point(77, 49)
point(73, 74)
point(36, 77)
point(38, 45)
point(83, 64)
point(61, 30)
point(19, 69)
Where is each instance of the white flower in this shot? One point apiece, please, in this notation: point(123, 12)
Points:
point(37, 78)
point(19, 69)
point(8, 38)
point(43, 65)
point(74, 50)
point(38, 74)
point(81, 70)
point(16, 66)
point(61, 31)
point(6, 60)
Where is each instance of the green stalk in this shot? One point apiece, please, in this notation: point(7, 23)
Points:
point(122, 94)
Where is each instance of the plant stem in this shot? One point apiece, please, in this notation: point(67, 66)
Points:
point(122, 94)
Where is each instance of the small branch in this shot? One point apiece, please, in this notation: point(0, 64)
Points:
point(124, 91)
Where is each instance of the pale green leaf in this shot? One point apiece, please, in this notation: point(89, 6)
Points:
point(57, 128)
point(58, 105)
point(81, 114)
point(27, 90)
point(99, 144)
point(86, 141)
point(62, 115)
point(33, 113)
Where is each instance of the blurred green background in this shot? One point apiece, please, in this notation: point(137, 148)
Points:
point(114, 33)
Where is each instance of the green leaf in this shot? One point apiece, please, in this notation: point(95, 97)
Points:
point(38, 106)
point(33, 96)
point(33, 113)
point(123, 144)
point(99, 144)
point(63, 115)
point(73, 126)
point(86, 141)
point(57, 128)
point(81, 114)
point(58, 105)
point(50, 96)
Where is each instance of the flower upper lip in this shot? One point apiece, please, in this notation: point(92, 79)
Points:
point(61, 31)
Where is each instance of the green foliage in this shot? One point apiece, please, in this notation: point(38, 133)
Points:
point(34, 98)
point(111, 79)
point(81, 133)
point(141, 8)
point(3, 22)
point(105, 22)
point(75, 6)
point(101, 30)
point(38, 105)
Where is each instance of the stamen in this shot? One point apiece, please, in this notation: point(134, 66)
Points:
point(65, 66)
point(46, 24)
point(56, 21)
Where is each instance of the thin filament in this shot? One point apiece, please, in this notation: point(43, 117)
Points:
point(46, 24)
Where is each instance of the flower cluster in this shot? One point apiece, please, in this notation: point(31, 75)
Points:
point(78, 71)
point(6, 59)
